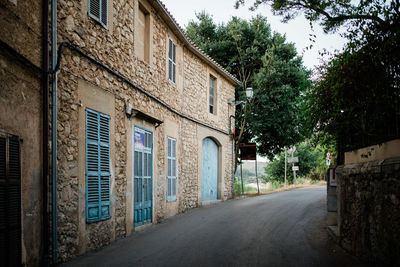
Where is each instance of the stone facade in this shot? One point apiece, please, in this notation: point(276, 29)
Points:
point(369, 209)
point(181, 106)
point(20, 115)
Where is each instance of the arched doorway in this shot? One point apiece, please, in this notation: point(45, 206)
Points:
point(209, 181)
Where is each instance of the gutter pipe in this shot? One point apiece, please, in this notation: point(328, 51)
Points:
point(232, 133)
point(45, 130)
point(54, 126)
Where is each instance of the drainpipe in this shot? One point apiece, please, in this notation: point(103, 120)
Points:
point(233, 152)
point(54, 126)
point(45, 129)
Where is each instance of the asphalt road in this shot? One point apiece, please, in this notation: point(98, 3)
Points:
point(280, 229)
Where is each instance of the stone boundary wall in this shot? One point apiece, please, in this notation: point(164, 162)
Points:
point(369, 209)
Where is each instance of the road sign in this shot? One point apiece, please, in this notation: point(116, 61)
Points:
point(328, 155)
point(293, 159)
point(328, 162)
point(248, 151)
point(295, 168)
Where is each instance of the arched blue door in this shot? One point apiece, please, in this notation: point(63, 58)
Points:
point(209, 184)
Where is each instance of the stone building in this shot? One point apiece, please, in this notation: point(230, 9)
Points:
point(21, 123)
point(141, 122)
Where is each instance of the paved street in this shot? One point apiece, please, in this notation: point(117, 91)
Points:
point(280, 229)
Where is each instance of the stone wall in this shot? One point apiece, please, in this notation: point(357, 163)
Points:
point(82, 84)
point(369, 209)
point(21, 112)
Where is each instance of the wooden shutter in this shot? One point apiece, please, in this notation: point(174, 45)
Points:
point(171, 169)
point(174, 62)
point(104, 10)
point(171, 61)
point(10, 201)
point(94, 9)
point(97, 166)
point(98, 10)
point(211, 92)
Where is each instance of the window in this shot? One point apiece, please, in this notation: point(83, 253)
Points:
point(143, 34)
point(10, 200)
point(171, 169)
point(97, 166)
point(98, 11)
point(171, 61)
point(212, 95)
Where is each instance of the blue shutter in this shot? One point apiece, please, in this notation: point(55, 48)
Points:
point(171, 169)
point(97, 166)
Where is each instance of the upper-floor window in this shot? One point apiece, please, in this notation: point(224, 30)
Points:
point(213, 83)
point(171, 61)
point(143, 34)
point(98, 10)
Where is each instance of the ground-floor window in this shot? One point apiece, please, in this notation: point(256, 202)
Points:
point(97, 166)
point(10, 200)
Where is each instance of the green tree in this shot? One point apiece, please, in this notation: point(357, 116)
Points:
point(356, 98)
point(275, 118)
point(331, 14)
point(309, 157)
point(265, 61)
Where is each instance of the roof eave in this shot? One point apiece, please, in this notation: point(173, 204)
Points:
point(164, 13)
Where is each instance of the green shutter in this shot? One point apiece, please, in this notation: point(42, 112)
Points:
point(97, 166)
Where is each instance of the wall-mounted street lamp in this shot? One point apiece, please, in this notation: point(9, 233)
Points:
point(249, 95)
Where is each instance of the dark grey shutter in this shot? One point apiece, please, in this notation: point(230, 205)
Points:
point(3, 203)
point(94, 8)
point(104, 9)
point(10, 201)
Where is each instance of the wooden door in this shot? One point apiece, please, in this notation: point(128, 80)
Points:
point(143, 193)
point(209, 184)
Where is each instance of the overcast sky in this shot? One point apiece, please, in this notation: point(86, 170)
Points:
point(297, 31)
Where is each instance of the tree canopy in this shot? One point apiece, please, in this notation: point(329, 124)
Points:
point(265, 61)
point(332, 14)
point(356, 98)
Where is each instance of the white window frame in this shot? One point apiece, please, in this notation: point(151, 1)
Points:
point(171, 61)
point(172, 170)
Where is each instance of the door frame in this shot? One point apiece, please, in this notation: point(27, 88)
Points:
point(221, 161)
point(133, 175)
point(217, 171)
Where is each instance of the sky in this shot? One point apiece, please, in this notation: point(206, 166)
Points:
point(297, 31)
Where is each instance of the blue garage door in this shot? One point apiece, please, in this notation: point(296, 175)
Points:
point(209, 184)
point(143, 177)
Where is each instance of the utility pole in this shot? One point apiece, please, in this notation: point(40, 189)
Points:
point(258, 188)
point(285, 166)
point(241, 177)
point(294, 172)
